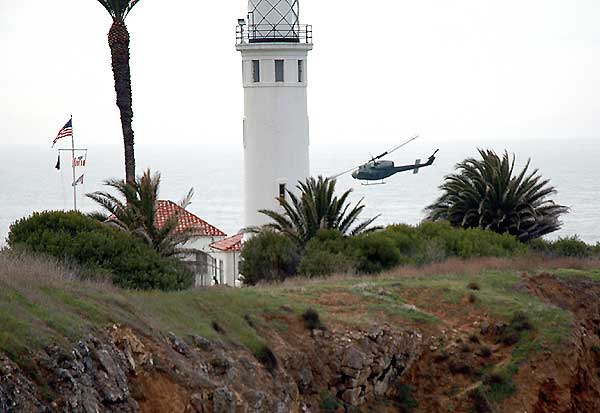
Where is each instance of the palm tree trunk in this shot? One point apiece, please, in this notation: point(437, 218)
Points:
point(118, 41)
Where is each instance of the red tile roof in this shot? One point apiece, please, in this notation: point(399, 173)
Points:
point(166, 209)
point(231, 244)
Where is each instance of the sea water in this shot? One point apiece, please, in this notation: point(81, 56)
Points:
point(29, 182)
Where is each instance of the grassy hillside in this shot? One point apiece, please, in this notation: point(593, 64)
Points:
point(42, 302)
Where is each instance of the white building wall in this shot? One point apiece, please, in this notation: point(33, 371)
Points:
point(202, 243)
point(230, 260)
point(276, 126)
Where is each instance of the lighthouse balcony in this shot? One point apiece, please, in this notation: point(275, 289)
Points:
point(280, 33)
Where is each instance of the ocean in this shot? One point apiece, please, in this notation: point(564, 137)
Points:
point(29, 182)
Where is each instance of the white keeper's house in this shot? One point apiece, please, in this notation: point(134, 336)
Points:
point(216, 257)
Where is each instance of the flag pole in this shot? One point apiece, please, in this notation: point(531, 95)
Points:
point(73, 166)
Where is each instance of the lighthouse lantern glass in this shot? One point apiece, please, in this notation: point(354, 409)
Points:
point(273, 20)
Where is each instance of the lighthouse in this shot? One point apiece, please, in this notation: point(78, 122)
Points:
point(274, 48)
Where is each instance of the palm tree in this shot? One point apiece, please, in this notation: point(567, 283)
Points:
point(317, 208)
point(118, 41)
point(136, 213)
point(485, 193)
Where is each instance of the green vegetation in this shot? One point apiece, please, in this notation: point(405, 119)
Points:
point(329, 403)
point(331, 252)
point(101, 251)
point(40, 296)
point(316, 208)
point(118, 41)
point(312, 320)
point(406, 401)
point(566, 247)
point(484, 193)
point(269, 257)
point(136, 213)
point(42, 302)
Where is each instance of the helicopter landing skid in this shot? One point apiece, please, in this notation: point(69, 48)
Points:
point(372, 184)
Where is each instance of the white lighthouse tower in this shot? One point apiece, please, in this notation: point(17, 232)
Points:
point(274, 47)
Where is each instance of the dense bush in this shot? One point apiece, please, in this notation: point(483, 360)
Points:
point(566, 247)
point(331, 252)
point(376, 252)
point(435, 241)
point(328, 252)
point(268, 256)
point(98, 248)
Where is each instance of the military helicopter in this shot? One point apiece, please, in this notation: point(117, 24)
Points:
point(378, 170)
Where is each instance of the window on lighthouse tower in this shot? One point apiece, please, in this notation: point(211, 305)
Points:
point(300, 71)
point(282, 191)
point(256, 71)
point(279, 71)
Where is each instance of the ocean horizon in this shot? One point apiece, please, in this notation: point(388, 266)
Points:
point(29, 182)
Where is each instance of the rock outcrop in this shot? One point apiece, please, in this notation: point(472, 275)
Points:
point(121, 371)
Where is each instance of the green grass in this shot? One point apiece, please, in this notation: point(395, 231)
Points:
point(36, 311)
point(589, 274)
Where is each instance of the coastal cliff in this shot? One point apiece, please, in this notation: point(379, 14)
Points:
point(404, 342)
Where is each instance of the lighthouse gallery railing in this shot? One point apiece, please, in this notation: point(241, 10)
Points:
point(266, 33)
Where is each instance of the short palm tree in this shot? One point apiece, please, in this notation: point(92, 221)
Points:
point(485, 193)
point(118, 41)
point(316, 208)
point(136, 213)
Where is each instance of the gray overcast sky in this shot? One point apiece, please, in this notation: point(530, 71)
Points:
point(381, 70)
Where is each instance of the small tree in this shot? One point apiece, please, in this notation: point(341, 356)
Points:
point(316, 208)
point(484, 193)
point(136, 213)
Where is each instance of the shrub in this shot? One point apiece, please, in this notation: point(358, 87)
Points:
point(493, 379)
point(267, 358)
point(480, 402)
point(405, 399)
point(434, 241)
point(484, 352)
point(73, 237)
point(329, 404)
point(474, 286)
point(327, 253)
point(520, 322)
point(376, 252)
point(564, 247)
point(217, 327)
point(311, 319)
point(268, 256)
point(460, 366)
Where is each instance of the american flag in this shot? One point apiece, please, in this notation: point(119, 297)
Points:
point(66, 130)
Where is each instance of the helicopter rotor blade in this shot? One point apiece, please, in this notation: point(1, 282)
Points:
point(395, 148)
point(336, 176)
